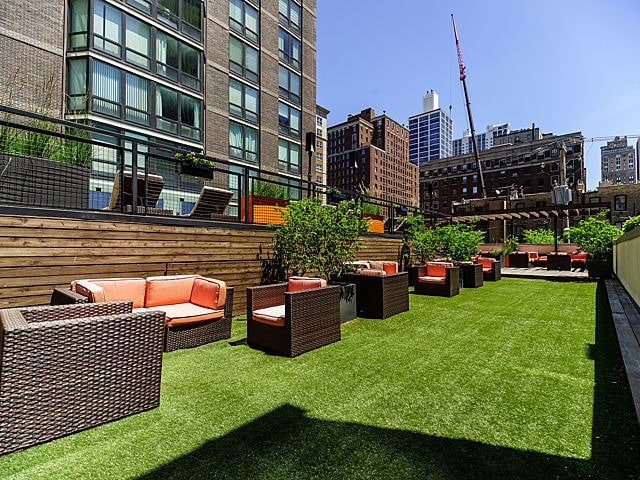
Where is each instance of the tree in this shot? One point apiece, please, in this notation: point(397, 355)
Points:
point(318, 238)
point(595, 236)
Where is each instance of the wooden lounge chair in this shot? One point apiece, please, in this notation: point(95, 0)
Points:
point(294, 317)
point(70, 367)
point(211, 203)
point(151, 185)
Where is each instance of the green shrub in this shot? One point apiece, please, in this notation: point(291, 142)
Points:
point(631, 224)
point(544, 235)
point(595, 235)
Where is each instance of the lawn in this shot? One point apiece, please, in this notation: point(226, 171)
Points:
point(519, 379)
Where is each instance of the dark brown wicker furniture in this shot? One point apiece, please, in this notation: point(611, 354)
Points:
point(491, 271)
point(312, 318)
point(558, 261)
point(176, 337)
point(380, 296)
point(448, 288)
point(519, 260)
point(471, 275)
point(68, 368)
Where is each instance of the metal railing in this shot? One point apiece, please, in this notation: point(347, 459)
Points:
point(58, 164)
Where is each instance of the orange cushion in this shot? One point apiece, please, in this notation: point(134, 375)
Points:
point(390, 267)
point(438, 269)
point(429, 279)
point(486, 262)
point(304, 283)
point(169, 290)
point(208, 292)
point(112, 289)
point(271, 315)
point(187, 313)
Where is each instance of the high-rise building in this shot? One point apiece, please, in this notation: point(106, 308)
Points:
point(484, 140)
point(321, 146)
point(619, 162)
point(369, 153)
point(233, 78)
point(430, 132)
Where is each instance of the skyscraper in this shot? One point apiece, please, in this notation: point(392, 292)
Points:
point(430, 132)
point(484, 140)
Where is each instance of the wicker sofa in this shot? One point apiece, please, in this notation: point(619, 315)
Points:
point(294, 317)
point(71, 367)
point(198, 309)
point(381, 291)
point(438, 278)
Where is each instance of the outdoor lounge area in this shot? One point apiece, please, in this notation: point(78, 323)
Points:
point(454, 388)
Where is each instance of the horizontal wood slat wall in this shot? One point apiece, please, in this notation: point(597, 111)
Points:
point(39, 253)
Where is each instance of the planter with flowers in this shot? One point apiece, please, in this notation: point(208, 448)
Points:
point(194, 164)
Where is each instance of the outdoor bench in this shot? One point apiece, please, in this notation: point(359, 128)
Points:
point(198, 309)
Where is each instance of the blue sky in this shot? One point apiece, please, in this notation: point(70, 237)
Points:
point(565, 65)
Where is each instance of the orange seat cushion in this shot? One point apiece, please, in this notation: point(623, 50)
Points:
point(271, 315)
point(169, 290)
point(187, 313)
point(296, 284)
point(487, 263)
point(429, 279)
point(112, 289)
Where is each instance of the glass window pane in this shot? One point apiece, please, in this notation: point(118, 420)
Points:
point(137, 98)
point(106, 27)
point(78, 26)
point(294, 16)
point(191, 12)
point(251, 22)
point(77, 87)
point(235, 14)
point(137, 38)
point(167, 56)
point(106, 86)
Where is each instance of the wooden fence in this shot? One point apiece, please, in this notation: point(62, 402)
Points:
point(39, 253)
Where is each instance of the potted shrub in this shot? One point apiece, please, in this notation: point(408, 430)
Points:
point(320, 239)
point(595, 237)
point(421, 244)
point(509, 246)
point(461, 242)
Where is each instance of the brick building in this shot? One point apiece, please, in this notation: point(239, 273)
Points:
point(526, 162)
point(370, 152)
point(233, 78)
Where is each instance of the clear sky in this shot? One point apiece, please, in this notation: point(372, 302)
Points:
point(565, 65)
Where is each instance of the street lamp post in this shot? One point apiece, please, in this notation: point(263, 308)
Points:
point(310, 147)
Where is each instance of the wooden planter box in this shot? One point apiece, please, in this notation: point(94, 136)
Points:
point(40, 182)
point(262, 209)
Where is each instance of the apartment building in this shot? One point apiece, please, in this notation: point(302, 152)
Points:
point(533, 163)
point(430, 132)
point(232, 78)
point(619, 162)
point(369, 152)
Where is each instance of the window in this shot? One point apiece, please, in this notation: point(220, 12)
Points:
point(620, 203)
point(166, 109)
point(288, 120)
point(185, 15)
point(77, 86)
point(289, 86)
point(137, 99)
point(106, 89)
point(243, 59)
point(289, 48)
point(243, 142)
point(178, 61)
point(243, 100)
point(288, 156)
point(243, 18)
point(137, 42)
point(143, 5)
point(78, 23)
point(289, 13)
point(107, 28)
point(189, 117)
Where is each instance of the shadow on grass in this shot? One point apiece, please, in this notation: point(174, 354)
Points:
point(286, 444)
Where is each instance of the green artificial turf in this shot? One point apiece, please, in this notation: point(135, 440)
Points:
point(519, 379)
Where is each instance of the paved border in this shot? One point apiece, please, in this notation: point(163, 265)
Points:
point(542, 272)
point(626, 317)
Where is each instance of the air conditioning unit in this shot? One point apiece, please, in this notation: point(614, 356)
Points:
point(561, 195)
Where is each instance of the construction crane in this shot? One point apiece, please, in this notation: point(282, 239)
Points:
point(463, 77)
point(608, 139)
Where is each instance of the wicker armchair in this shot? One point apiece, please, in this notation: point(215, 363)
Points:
point(380, 296)
point(71, 367)
point(443, 281)
point(311, 318)
point(490, 269)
